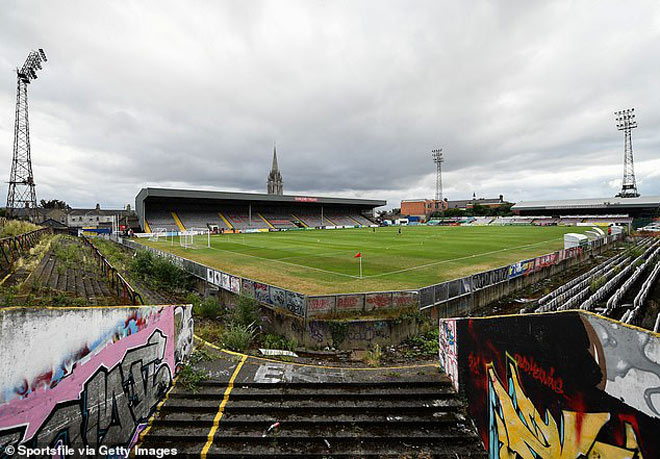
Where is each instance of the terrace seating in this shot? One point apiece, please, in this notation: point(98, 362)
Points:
point(597, 220)
point(311, 219)
point(161, 219)
point(572, 221)
point(544, 221)
point(482, 220)
point(241, 220)
point(341, 219)
point(361, 219)
point(200, 219)
point(279, 219)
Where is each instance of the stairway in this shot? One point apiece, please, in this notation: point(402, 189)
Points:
point(369, 417)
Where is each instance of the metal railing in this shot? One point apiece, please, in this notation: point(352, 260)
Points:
point(12, 247)
point(122, 288)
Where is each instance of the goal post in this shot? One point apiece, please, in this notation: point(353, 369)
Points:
point(195, 238)
point(158, 233)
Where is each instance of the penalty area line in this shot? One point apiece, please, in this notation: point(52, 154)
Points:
point(274, 260)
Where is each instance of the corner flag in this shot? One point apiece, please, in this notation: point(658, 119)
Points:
point(359, 255)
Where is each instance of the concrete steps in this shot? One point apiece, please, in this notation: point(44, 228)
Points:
point(405, 418)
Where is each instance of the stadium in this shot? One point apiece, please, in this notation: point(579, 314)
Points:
point(171, 209)
point(209, 319)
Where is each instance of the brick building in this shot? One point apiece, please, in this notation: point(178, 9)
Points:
point(421, 208)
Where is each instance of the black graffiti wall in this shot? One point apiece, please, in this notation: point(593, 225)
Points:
point(566, 385)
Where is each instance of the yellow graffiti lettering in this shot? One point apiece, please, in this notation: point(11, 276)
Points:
point(517, 429)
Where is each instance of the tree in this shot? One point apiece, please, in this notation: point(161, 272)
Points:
point(54, 204)
point(503, 210)
point(478, 209)
point(454, 213)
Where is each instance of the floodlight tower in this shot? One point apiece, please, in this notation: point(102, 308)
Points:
point(438, 159)
point(625, 121)
point(21, 193)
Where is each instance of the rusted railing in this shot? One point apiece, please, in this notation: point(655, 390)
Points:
point(121, 285)
point(13, 247)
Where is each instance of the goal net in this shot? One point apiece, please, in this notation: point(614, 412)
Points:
point(158, 233)
point(195, 238)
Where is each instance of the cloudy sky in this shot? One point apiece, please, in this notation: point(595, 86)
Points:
point(356, 94)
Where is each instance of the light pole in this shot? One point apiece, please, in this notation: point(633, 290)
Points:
point(438, 159)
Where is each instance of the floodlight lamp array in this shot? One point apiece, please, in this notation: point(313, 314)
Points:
point(625, 119)
point(33, 63)
point(437, 155)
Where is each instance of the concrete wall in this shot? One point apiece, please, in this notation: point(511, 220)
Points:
point(340, 334)
point(567, 384)
point(358, 334)
point(86, 376)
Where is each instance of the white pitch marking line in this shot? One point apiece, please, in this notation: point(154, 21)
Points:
point(454, 259)
point(286, 263)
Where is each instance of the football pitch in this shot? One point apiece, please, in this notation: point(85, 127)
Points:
point(322, 261)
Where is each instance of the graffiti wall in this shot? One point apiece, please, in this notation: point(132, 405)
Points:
point(86, 377)
point(560, 385)
point(357, 334)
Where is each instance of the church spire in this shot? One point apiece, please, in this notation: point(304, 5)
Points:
point(275, 184)
point(275, 168)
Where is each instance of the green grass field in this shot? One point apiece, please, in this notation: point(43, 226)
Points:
point(321, 261)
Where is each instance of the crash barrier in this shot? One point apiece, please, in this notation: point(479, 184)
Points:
point(457, 297)
point(609, 283)
point(635, 315)
point(642, 264)
point(454, 297)
point(122, 288)
point(86, 378)
point(556, 384)
point(13, 247)
point(560, 295)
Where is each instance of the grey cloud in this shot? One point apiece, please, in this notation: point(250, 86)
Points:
point(355, 94)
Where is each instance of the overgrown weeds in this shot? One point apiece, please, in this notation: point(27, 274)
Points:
point(200, 354)
point(190, 378)
point(16, 227)
point(597, 283)
point(159, 272)
point(209, 308)
point(425, 344)
point(280, 342)
point(373, 356)
point(238, 337)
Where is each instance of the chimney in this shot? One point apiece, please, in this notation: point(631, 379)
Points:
point(501, 198)
point(98, 206)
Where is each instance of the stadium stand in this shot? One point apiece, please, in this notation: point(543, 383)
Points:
point(161, 219)
point(342, 219)
point(361, 219)
point(279, 219)
point(164, 207)
point(311, 219)
point(635, 207)
point(545, 221)
point(583, 220)
point(201, 218)
point(596, 220)
point(482, 221)
point(242, 219)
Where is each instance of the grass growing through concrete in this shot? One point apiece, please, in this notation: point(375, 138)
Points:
point(235, 328)
point(321, 261)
